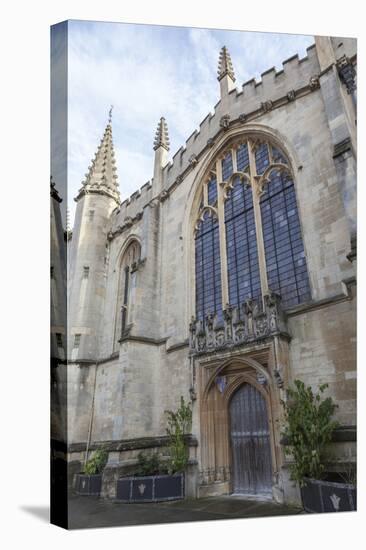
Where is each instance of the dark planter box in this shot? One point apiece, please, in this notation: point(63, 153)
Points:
point(327, 496)
point(88, 484)
point(150, 488)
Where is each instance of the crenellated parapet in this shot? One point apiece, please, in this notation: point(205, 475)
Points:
point(251, 102)
point(246, 324)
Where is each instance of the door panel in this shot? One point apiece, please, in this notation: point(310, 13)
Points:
point(250, 442)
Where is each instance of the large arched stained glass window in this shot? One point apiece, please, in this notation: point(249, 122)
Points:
point(248, 213)
point(208, 271)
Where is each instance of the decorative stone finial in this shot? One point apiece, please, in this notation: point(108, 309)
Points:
point(225, 65)
point(161, 136)
point(101, 177)
point(110, 115)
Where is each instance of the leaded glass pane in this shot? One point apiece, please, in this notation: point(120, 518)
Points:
point(227, 167)
point(278, 156)
point(242, 157)
point(208, 274)
point(285, 255)
point(212, 191)
point(261, 158)
point(241, 245)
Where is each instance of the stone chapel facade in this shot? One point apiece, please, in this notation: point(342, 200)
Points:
point(229, 275)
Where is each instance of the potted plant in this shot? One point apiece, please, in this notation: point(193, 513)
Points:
point(157, 479)
point(308, 431)
point(89, 482)
point(179, 424)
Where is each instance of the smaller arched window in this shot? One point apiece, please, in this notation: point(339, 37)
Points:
point(126, 283)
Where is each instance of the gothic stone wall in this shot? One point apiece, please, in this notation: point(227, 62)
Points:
point(131, 393)
point(323, 350)
point(135, 389)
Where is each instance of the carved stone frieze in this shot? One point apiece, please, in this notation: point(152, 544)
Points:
point(242, 118)
point(238, 325)
point(291, 95)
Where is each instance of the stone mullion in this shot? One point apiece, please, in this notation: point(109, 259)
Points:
point(205, 194)
point(222, 235)
point(235, 164)
point(258, 220)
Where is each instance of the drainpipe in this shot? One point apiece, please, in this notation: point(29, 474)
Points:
point(91, 416)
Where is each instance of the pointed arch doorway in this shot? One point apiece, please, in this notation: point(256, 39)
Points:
point(250, 442)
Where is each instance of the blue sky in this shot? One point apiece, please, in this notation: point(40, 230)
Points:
point(147, 72)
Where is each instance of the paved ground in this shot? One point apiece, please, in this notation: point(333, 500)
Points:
point(87, 512)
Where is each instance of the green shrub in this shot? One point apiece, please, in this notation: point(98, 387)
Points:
point(97, 462)
point(150, 465)
point(179, 424)
point(309, 428)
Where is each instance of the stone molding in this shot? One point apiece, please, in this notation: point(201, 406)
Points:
point(143, 340)
point(325, 302)
point(120, 444)
point(128, 223)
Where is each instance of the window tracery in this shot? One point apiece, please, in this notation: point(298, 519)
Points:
point(248, 236)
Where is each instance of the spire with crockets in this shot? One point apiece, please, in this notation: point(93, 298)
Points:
point(225, 72)
point(102, 173)
point(161, 148)
point(161, 136)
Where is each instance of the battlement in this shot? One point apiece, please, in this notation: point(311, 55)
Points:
point(132, 206)
point(251, 101)
point(249, 98)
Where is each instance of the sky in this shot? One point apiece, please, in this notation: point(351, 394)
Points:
point(146, 72)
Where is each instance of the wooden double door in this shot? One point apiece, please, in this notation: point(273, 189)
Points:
point(250, 442)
